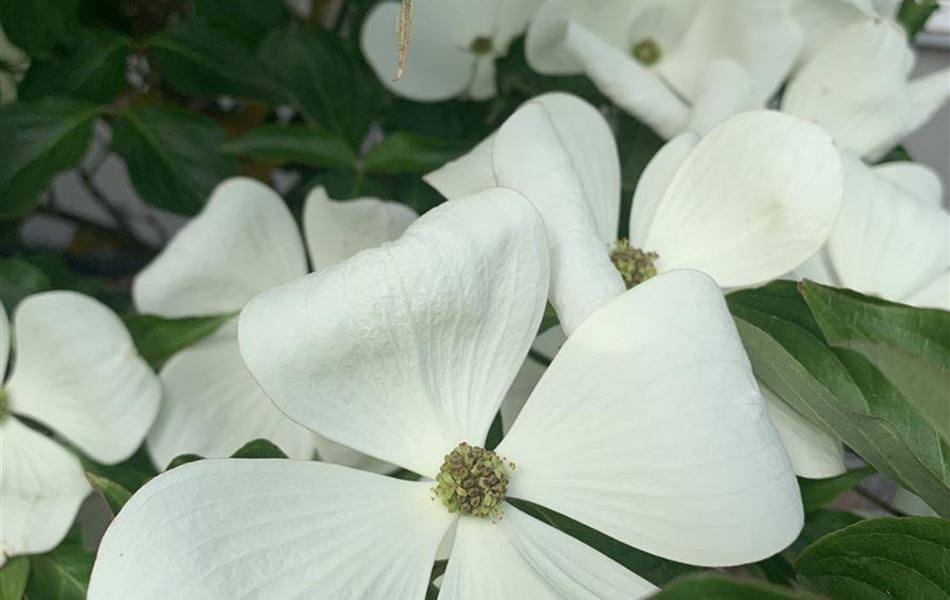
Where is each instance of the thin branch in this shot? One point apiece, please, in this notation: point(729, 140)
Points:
point(874, 498)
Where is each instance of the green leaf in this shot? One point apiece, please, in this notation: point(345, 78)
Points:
point(818, 524)
point(158, 338)
point(183, 459)
point(308, 145)
point(910, 346)
point(637, 144)
point(249, 20)
point(718, 587)
point(172, 156)
point(130, 474)
point(549, 319)
point(495, 433)
point(881, 559)
point(259, 449)
point(62, 574)
point(94, 70)
point(201, 61)
point(913, 15)
point(325, 79)
point(840, 391)
point(654, 569)
point(39, 26)
point(115, 495)
point(19, 279)
point(38, 141)
point(816, 493)
point(404, 152)
point(13, 576)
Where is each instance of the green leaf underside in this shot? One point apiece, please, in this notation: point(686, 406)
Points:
point(13, 576)
point(910, 346)
point(816, 493)
point(654, 569)
point(840, 391)
point(62, 574)
point(37, 141)
point(405, 152)
point(307, 145)
point(718, 587)
point(158, 338)
point(172, 156)
point(881, 559)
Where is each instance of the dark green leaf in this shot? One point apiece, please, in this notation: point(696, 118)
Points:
point(910, 346)
point(913, 15)
point(549, 319)
point(637, 144)
point(94, 70)
point(19, 279)
point(37, 141)
point(62, 574)
point(183, 459)
point(881, 559)
point(718, 587)
point(13, 576)
point(325, 79)
point(307, 145)
point(259, 449)
point(840, 391)
point(404, 152)
point(199, 60)
point(172, 156)
point(39, 26)
point(816, 493)
point(249, 20)
point(115, 495)
point(820, 523)
point(654, 569)
point(897, 154)
point(131, 474)
point(495, 432)
point(158, 338)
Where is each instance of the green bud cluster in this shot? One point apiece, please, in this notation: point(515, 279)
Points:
point(635, 265)
point(647, 52)
point(473, 481)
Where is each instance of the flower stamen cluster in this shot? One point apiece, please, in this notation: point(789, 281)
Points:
point(635, 265)
point(647, 52)
point(473, 481)
point(482, 46)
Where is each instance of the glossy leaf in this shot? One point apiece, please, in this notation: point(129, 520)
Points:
point(114, 494)
point(158, 338)
point(202, 61)
point(37, 141)
point(19, 279)
point(94, 70)
point(816, 493)
point(172, 156)
point(62, 574)
point(654, 569)
point(909, 345)
point(881, 559)
point(718, 587)
point(39, 26)
point(840, 391)
point(307, 145)
point(13, 576)
point(404, 152)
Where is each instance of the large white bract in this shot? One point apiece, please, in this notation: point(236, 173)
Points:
point(657, 438)
point(244, 242)
point(77, 372)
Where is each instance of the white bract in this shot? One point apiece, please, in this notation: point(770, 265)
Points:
point(76, 371)
point(821, 20)
point(748, 202)
point(404, 351)
point(244, 242)
point(665, 62)
point(15, 64)
point(454, 45)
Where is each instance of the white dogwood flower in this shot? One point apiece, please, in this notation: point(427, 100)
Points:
point(404, 352)
point(454, 45)
point(821, 20)
point(665, 61)
point(75, 371)
point(747, 203)
point(244, 242)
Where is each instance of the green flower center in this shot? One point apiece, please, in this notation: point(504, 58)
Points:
point(481, 46)
point(647, 52)
point(635, 265)
point(473, 481)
